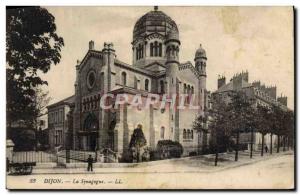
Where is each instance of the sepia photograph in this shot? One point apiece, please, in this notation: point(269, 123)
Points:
point(150, 98)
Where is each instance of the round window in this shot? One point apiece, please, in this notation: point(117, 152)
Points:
point(91, 78)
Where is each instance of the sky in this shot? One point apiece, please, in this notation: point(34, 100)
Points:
point(236, 39)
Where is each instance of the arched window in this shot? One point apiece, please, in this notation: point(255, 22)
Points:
point(124, 78)
point(184, 88)
point(155, 48)
point(162, 87)
point(189, 93)
point(192, 134)
point(184, 134)
point(160, 50)
point(139, 52)
point(162, 132)
point(146, 84)
point(91, 123)
point(151, 49)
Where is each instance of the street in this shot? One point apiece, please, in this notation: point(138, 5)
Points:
point(276, 172)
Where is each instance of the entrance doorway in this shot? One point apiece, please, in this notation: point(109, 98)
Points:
point(91, 142)
point(91, 129)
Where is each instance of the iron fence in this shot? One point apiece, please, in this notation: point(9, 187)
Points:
point(33, 156)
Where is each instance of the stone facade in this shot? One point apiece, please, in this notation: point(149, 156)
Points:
point(156, 69)
point(58, 125)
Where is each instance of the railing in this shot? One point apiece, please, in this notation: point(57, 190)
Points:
point(73, 156)
point(33, 156)
point(110, 155)
point(76, 155)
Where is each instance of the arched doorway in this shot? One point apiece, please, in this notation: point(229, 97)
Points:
point(91, 127)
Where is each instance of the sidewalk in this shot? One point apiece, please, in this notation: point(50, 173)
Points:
point(195, 164)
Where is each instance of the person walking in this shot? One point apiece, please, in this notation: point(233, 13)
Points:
point(90, 161)
point(266, 149)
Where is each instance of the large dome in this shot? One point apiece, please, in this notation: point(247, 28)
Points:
point(154, 21)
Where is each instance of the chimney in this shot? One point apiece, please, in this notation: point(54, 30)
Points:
point(91, 45)
point(271, 91)
point(282, 100)
point(221, 81)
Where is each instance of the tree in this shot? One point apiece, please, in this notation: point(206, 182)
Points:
point(40, 101)
point(199, 126)
point(137, 141)
point(252, 124)
point(241, 115)
point(279, 123)
point(32, 46)
point(290, 125)
point(276, 117)
point(287, 123)
point(219, 125)
point(264, 123)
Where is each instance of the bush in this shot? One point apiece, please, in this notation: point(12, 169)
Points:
point(168, 149)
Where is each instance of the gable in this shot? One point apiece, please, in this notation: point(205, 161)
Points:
point(155, 67)
point(91, 54)
point(188, 66)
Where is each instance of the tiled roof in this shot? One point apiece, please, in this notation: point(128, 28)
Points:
point(67, 101)
point(137, 69)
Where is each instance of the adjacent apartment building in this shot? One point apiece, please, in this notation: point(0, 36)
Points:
point(262, 95)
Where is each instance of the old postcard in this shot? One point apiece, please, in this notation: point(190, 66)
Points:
point(153, 97)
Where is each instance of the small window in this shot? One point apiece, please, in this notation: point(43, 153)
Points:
point(147, 85)
point(162, 132)
point(184, 134)
point(124, 78)
point(162, 88)
point(188, 134)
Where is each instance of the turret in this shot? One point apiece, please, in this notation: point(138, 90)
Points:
point(77, 86)
point(77, 74)
point(108, 73)
point(172, 44)
point(108, 66)
point(200, 60)
point(200, 64)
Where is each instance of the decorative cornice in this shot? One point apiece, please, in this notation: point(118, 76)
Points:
point(90, 53)
point(188, 65)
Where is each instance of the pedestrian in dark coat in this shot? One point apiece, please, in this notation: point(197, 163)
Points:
point(90, 161)
point(266, 149)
